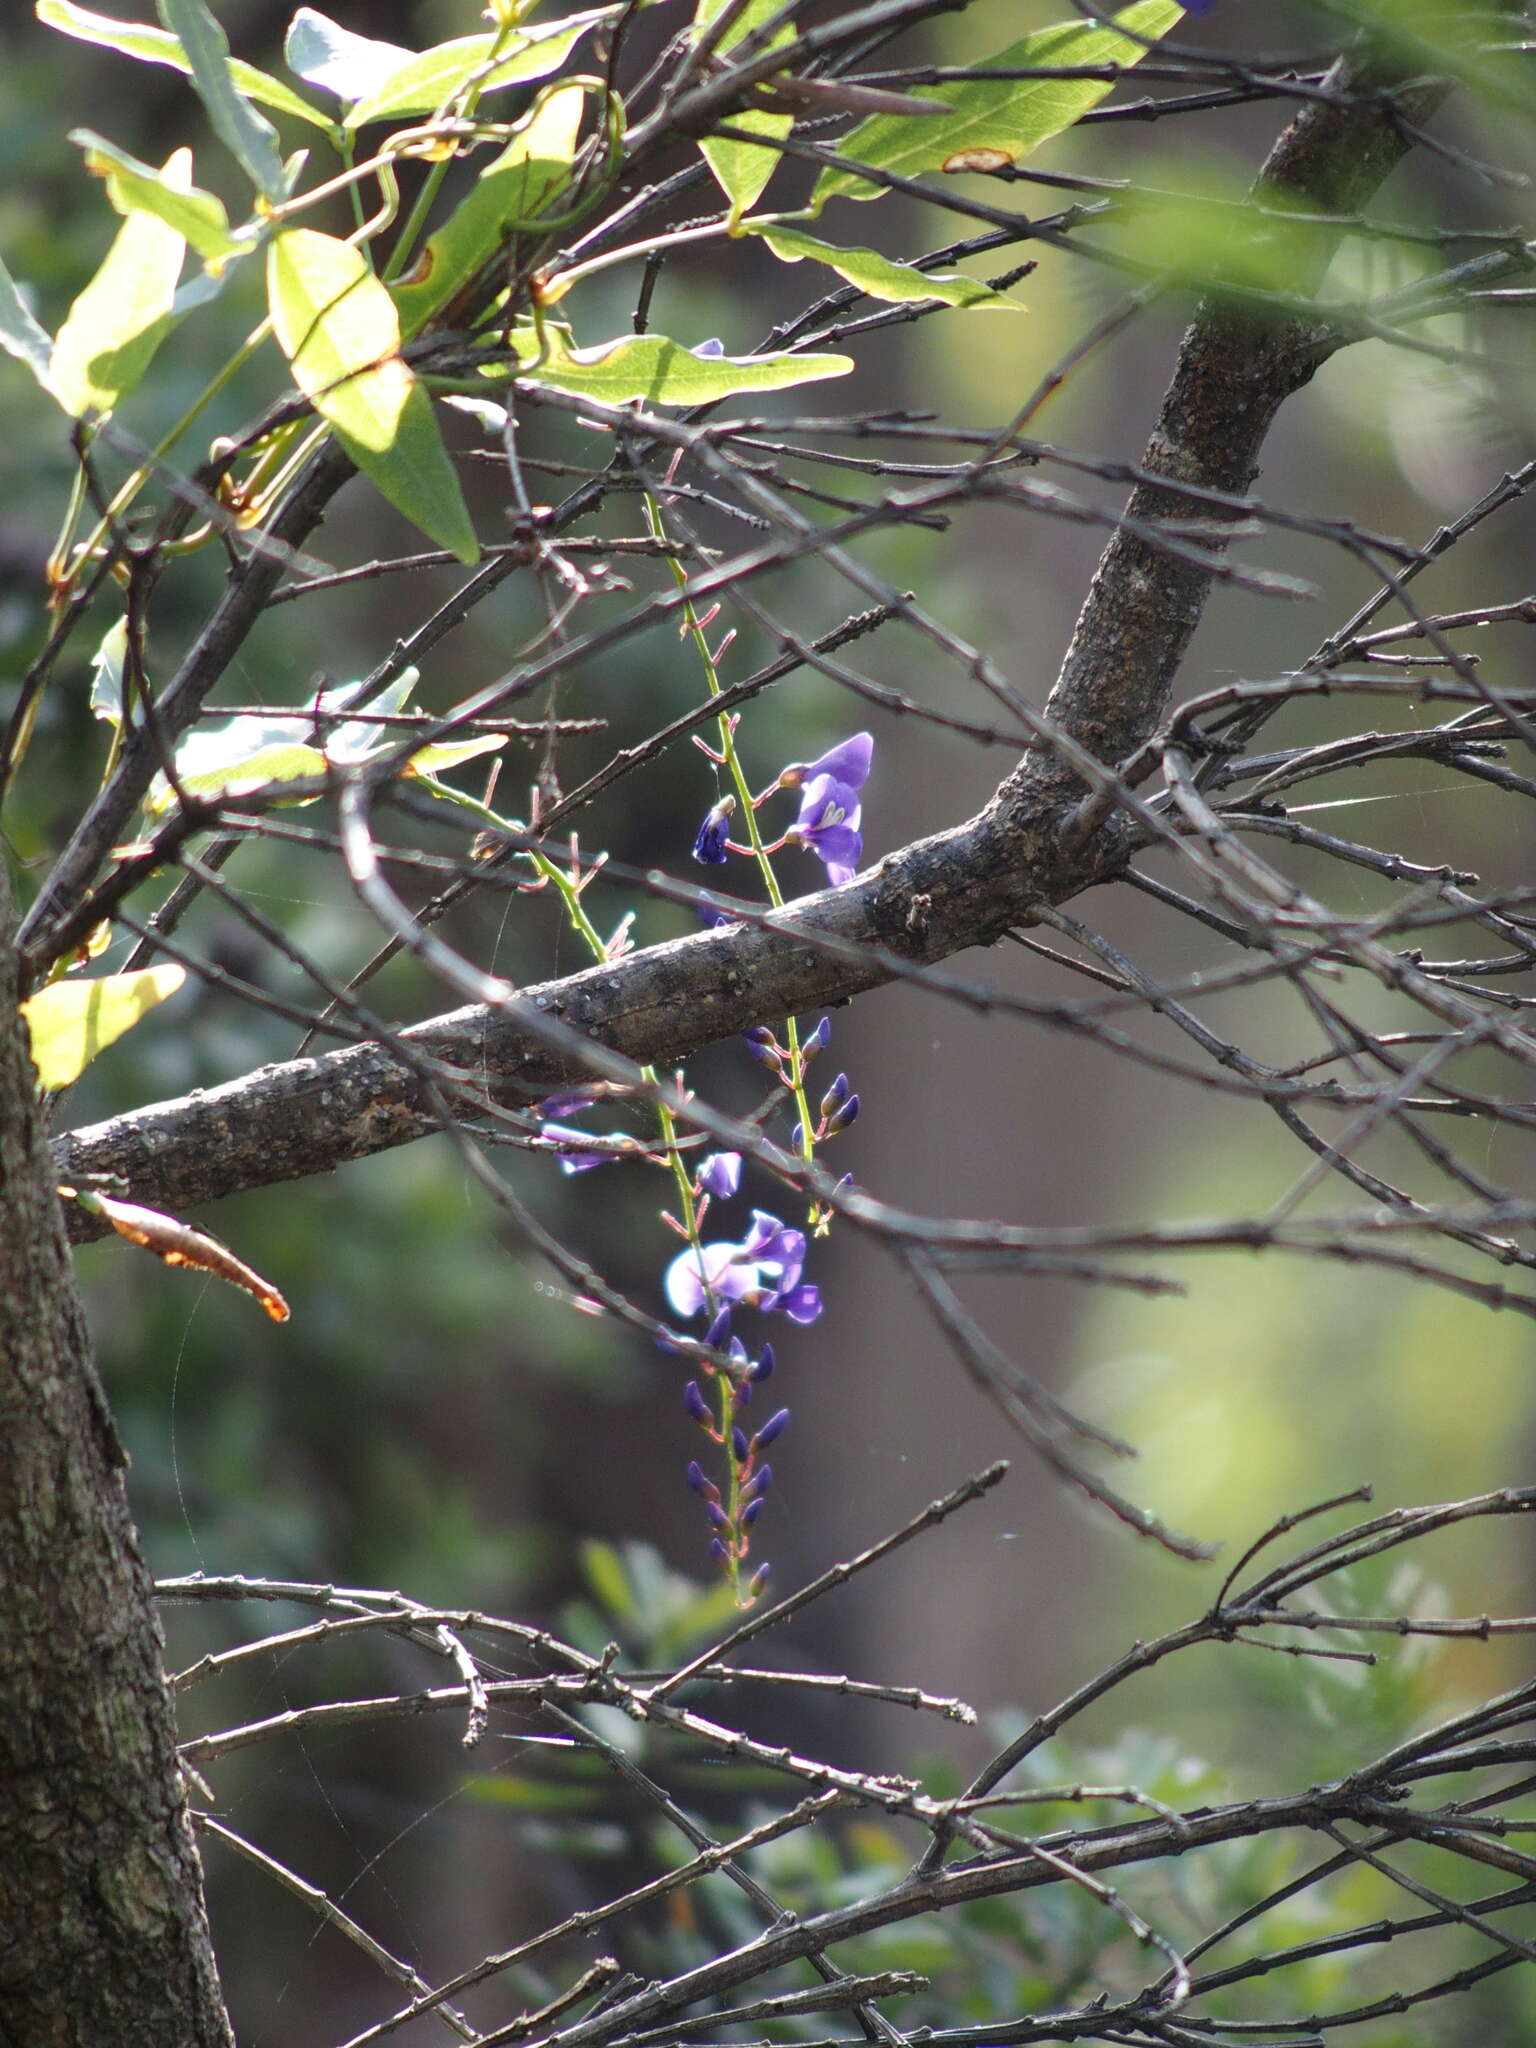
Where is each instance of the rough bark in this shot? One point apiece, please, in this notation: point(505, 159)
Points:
point(960, 888)
point(1236, 368)
point(103, 1939)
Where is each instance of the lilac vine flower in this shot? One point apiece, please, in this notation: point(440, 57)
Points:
point(720, 1175)
point(830, 811)
point(710, 844)
point(576, 1161)
point(763, 1271)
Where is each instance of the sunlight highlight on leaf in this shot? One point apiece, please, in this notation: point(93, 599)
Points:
point(71, 1020)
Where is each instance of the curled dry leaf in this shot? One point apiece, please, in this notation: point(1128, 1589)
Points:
point(180, 1245)
point(978, 160)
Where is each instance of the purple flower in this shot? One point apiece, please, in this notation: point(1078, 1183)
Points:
point(720, 1175)
point(828, 824)
point(709, 846)
point(576, 1161)
point(763, 1271)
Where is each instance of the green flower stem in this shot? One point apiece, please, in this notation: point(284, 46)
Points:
point(744, 808)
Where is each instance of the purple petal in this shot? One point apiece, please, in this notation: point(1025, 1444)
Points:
point(802, 1304)
point(847, 763)
point(838, 846)
point(710, 842)
point(720, 1175)
point(575, 1161)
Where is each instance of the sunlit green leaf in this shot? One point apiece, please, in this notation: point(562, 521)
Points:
point(21, 335)
point(994, 122)
point(427, 81)
point(443, 754)
point(156, 46)
point(248, 136)
point(877, 276)
point(515, 187)
point(71, 1020)
point(651, 367)
point(135, 187)
point(107, 673)
point(323, 53)
point(337, 325)
point(293, 761)
point(741, 171)
point(113, 328)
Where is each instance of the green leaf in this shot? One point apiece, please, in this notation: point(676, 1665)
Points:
point(71, 1020)
point(877, 276)
point(337, 325)
point(529, 172)
point(436, 76)
point(107, 674)
point(289, 761)
point(740, 170)
point(323, 53)
point(113, 328)
point(429, 761)
point(134, 187)
point(21, 335)
point(249, 136)
point(155, 46)
point(663, 372)
point(994, 122)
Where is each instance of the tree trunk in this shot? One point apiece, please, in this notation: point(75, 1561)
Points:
point(103, 1939)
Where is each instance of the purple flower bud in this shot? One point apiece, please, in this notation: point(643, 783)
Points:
point(797, 1138)
point(773, 1427)
point(835, 1096)
point(848, 1114)
point(696, 1478)
point(718, 1518)
point(709, 845)
point(750, 1512)
point(743, 1393)
point(761, 1479)
point(763, 1369)
point(720, 1175)
point(696, 1405)
point(821, 1037)
point(717, 1550)
point(719, 1329)
point(740, 1448)
point(758, 1580)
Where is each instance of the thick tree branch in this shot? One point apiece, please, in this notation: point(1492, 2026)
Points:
point(960, 888)
point(102, 1935)
point(1234, 372)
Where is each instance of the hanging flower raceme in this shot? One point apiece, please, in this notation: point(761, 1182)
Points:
point(830, 811)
